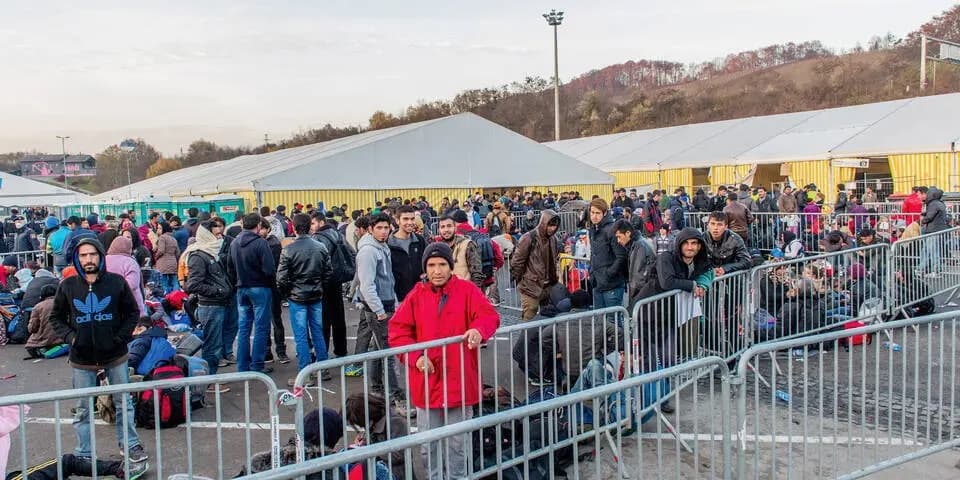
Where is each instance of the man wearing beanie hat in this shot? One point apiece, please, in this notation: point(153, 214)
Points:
point(6, 273)
point(439, 307)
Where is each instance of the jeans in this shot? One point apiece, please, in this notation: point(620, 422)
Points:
point(378, 338)
point(303, 317)
point(253, 309)
point(609, 298)
point(118, 375)
point(444, 458)
point(276, 319)
point(931, 256)
point(169, 282)
point(230, 327)
point(334, 320)
point(211, 318)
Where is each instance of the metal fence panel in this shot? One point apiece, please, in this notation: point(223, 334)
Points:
point(182, 450)
point(596, 451)
point(850, 403)
point(924, 268)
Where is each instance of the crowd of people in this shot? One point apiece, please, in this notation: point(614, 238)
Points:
point(105, 290)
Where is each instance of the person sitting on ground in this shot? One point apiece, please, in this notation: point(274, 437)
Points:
point(321, 433)
point(359, 409)
point(145, 352)
point(71, 465)
point(42, 335)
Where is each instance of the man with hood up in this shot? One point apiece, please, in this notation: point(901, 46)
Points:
point(533, 265)
point(608, 259)
point(687, 268)
point(95, 312)
point(934, 220)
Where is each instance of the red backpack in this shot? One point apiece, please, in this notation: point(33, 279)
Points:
point(173, 405)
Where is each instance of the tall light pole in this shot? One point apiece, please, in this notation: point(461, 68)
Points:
point(63, 146)
point(554, 18)
point(128, 146)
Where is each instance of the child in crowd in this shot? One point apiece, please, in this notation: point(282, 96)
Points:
point(664, 240)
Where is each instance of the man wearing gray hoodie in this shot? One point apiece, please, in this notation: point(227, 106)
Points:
point(379, 300)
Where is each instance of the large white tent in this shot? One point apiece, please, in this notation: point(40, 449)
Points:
point(17, 191)
point(459, 151)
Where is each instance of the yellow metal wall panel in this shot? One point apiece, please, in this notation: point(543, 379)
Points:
point(677, 177)
point(634, 179)
point(728, 174)
point(924, 169)
point(587, 191)
point(818, 172)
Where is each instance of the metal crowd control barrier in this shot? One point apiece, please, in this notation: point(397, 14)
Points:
point(518, 359)
point(848, 405)
point(547, 438)
point(41, 447)
point(811, 294)
point(924, 268)
point(38, 256)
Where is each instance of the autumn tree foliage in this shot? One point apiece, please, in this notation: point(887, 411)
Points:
point(164, 165)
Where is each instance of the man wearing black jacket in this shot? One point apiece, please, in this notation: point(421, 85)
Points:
point(95, 312)
point(406, 252)
point(255, 272)
point(276, 302)
point(719, 200)
point(725, 249)
point(608, 259)
point(334, 317)
point(304, 270)
point(208, 279)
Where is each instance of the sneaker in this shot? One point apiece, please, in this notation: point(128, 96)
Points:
point(353, 371)
point(136, 454)
point(223, 363)
point(285, 304)
point(283, 358)
point(311, 382)
point(230, 359)
point(666, 408)
point(536, 382)
point(213, 388)
point(136, 471)
point(326, 376)
point(267, 370)
point(269, 358)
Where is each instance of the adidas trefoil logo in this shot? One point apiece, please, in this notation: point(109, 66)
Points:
point(92, 309)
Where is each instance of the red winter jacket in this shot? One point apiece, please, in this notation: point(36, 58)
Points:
point(417, 320)
point(912, 208)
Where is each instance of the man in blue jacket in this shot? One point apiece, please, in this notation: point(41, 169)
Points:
point(254, 269)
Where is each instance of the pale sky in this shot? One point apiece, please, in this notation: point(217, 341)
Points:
point(230, 71)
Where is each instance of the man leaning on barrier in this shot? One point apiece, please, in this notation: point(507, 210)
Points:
point(95, 313)
point(443, 306)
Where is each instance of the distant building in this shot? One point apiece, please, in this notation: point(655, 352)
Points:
point(48, 166)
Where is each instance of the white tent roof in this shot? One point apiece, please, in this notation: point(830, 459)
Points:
point(915, 125)
point(462, 150)
point(17, 191)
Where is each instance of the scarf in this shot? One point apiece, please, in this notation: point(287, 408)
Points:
point(206, 242)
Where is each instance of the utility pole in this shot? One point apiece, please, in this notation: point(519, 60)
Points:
point(554, 18)
point(63, 146)
point(923, 62)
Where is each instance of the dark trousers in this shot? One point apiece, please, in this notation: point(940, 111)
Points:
point(276, 309)
point(71, 465)
point(334, 321)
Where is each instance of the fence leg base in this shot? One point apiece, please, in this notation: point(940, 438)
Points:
point(673, 431)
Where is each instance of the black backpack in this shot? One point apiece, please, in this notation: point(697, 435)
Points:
point(485, 246)
point(341, 257)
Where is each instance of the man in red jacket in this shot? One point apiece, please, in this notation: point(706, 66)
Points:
point(913, 205)
point(443, 306)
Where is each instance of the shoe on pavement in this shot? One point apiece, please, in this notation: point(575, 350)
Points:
point(353, 371)
point(136, 454)
point(230, 359)
point(283, 358)
point(326, 376)
point(536, 382)
point(267, 370)
point(213, 388)
point(269, 358)
point(136, 471)
point(666, 408)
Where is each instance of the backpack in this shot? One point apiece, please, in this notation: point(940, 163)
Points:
point(485, 246)
point(540, 434)
point(17, 327)
point(171, 402)
point(495, 228)
point(341, 258)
